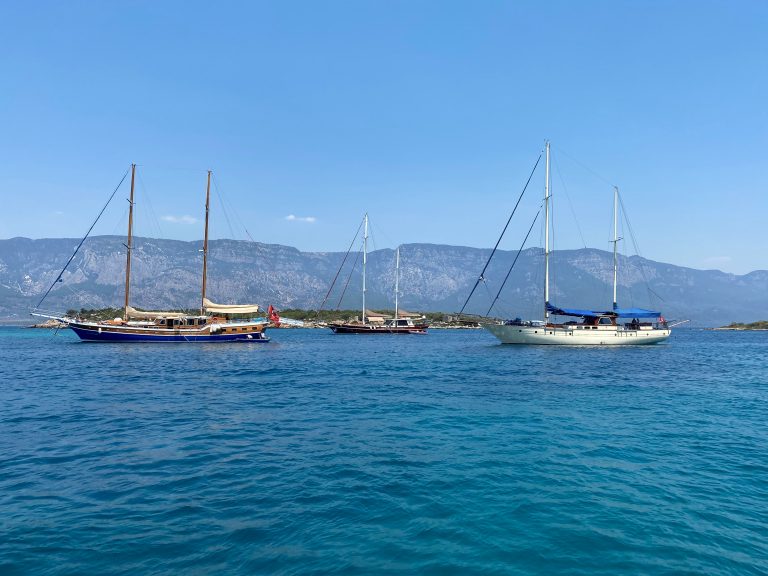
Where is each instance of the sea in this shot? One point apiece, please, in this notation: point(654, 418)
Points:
point(445, 453)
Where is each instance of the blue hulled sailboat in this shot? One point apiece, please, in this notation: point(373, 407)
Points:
point(215, 323)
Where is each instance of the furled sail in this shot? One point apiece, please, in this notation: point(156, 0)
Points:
point(229, 308)
point(149, 315)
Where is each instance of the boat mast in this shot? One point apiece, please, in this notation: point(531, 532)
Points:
point(397, 281)
point(546, 238)
point(365, 260)
point(205, 242)
point(129, 244)
point(615, 242)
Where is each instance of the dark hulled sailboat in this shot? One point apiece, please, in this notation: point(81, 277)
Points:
point(215, 323)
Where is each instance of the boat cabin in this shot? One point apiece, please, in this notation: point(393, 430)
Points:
point(184, 322)
point(399, 323)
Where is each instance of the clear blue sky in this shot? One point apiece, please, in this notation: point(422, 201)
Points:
point(428, 115)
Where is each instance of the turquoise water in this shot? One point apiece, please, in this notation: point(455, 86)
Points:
point(438, 454)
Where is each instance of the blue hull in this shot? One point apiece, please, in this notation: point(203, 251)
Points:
point(91, 335)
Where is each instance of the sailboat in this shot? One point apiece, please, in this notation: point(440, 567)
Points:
point(401, 324)
point(595, 327)
point(215, 323)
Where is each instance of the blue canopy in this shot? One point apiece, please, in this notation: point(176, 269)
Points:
point(573, 311)
point(618, 312)
point(636, 313)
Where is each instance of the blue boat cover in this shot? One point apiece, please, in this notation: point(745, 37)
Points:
point(618, 312)
point(572, 311)
point(636, 313)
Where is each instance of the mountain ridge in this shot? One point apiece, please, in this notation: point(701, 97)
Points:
point(433, 277)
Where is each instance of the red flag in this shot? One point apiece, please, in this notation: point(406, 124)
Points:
point(274, 317)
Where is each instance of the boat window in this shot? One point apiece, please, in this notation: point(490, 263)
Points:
point(605, 321)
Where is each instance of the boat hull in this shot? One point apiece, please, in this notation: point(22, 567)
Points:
point(97, 333)
point(356, 329)
point(612, 336)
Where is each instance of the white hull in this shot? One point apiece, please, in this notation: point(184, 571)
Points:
point(576, 336)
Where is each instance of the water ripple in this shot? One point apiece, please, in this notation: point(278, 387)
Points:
point(446, 454)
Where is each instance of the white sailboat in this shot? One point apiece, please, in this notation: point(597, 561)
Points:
point(595, 327)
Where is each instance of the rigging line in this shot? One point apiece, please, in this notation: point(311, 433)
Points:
point(514, 262)
point(58, 278)
point(333, 283)
point(372, 245)
point(481, 277)
point(553, 270)
point(223, 208)
point(82, 296)
point(237, 217)
point(505, 306)
point(145, 196)
point(382, 232)
point(121, 223)
point(354, 265)
point(643, 270)
point(570, 203)
point(173, 168)
point(587, 168)
point(623, 264)
point(488, 290)
point(625, 220)
point(606, 288)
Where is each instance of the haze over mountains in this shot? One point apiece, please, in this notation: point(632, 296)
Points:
point(166, 274)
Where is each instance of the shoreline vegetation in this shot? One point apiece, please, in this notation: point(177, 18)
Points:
point(759, 325)
point(311, 318)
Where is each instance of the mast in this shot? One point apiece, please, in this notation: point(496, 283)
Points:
point(129, 244)
point(365, 260)
point(397, 281)
point(615, 242)
point(546, 238)
point(205, 242)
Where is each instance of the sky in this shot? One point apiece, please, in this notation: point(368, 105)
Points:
point(428, 115)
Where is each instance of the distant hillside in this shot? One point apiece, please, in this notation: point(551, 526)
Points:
point(166, 273)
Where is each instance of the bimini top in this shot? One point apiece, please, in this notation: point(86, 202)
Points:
point(618, 312)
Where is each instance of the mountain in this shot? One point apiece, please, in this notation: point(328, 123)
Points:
point(166, 274)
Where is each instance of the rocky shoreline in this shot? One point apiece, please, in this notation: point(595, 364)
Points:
point(49, 324)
